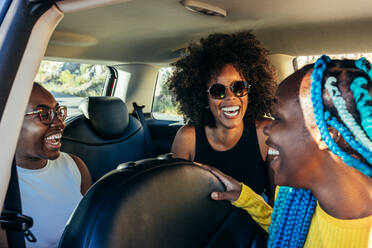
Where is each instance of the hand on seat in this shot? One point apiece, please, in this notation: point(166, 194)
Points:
point(233, 187)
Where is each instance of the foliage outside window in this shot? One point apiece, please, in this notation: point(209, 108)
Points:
point(300, 61)
point(162, 107)
point(70, 82)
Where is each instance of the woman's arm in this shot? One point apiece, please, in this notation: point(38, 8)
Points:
point(243, 197)
point(255, 205)
point(184, 143)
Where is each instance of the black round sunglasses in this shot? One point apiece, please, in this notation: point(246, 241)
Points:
point(239, 88)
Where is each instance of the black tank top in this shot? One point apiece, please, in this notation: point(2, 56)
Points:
point(242, 162)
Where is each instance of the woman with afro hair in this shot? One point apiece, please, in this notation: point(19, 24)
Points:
point(224, 86)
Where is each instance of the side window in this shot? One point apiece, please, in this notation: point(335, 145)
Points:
point(70, 83)
point(162, 107)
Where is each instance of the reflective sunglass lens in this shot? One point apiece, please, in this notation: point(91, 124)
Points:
point(217, 91)
point(239, 88)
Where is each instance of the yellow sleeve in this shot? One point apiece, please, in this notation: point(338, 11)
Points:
point(256, 206)
point(328, 231)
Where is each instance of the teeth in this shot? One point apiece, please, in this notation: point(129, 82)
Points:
point(231, 114)
point(230, 109)
point(272, 151)
point(54, 137)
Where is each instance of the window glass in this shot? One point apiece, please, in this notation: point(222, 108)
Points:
point(300, 61)
point(162, 107)
point(70, 82)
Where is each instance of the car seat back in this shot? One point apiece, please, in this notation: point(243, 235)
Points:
point(156, 203)
point(104, 136)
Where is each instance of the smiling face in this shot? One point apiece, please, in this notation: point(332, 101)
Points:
point(229, 111)
point(293, 151)
point(38, 142)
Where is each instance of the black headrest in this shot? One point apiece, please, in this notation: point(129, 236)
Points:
point(107, 115)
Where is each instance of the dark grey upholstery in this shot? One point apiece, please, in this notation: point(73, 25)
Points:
point(104, 136)
point(157, 203)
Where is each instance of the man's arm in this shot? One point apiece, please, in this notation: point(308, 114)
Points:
point(86, 179)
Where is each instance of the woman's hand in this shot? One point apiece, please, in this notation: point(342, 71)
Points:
point(233, 187)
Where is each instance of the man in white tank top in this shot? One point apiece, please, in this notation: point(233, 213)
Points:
point(51, 182)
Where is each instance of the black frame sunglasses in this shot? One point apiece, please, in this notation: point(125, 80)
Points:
point(239, 88)
point(46, 115)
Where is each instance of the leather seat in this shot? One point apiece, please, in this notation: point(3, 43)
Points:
point(156, 203)
point(104, 136)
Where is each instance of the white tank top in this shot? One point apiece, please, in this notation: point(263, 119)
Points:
point(49, 195)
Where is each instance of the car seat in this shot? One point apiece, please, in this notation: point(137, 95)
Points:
point(105, 135)
point(158, 203)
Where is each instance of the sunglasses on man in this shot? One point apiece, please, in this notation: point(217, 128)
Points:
point(46, 115)
point(239, 88)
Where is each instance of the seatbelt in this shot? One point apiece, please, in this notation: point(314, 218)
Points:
point(139, 114)
point(12, 220)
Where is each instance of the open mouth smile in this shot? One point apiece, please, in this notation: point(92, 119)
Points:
point(53, 140)
point(231, 111)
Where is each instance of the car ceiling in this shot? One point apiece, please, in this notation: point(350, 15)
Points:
point(156, 31)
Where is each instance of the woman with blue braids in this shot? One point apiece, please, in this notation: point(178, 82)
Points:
point(321, 150)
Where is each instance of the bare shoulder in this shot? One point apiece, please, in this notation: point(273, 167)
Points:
point(86, 179)
point(184, 143)
point(186, 131)
point(79, 162)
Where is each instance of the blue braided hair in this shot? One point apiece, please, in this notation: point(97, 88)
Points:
point(322, 117)
point(291, 217)
point(346, 117)
point(294, 208)
point(362, 97)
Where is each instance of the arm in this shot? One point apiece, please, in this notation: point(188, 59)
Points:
point(243, 197)
point(184, 143)
point(86, 179)
point(255, 205)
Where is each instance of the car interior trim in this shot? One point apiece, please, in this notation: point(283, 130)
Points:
point(20, 91)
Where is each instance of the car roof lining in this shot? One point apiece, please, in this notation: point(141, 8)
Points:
point(145, 31)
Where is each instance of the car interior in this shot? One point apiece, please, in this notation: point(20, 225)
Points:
point(142, 197)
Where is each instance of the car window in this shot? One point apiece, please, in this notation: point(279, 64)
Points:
point(163, 107)
point(70, 82)
point(300, 61)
